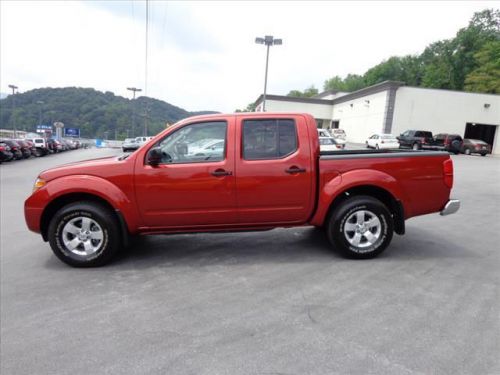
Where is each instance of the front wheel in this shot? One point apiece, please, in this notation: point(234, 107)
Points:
point(361, 227)
point(84, 234)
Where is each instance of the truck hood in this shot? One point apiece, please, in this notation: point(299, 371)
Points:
point(102, 167)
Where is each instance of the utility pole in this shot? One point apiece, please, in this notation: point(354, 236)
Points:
point(134, 90)
point(40, 102)
point(13, 117)
point(146, 115)
point(269, 41)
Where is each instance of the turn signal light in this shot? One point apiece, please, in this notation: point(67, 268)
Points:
point(38, 184)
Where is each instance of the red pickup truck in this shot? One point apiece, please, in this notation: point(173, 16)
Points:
point(250, 171)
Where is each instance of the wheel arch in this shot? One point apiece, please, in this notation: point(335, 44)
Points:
point(65, 199)
point(387, 198)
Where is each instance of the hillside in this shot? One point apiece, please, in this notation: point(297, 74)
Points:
point(92, 111)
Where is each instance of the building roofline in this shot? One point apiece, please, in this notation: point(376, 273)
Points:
point(283, 98)
point(379, 87)
point(326, 93)
point(457, 91)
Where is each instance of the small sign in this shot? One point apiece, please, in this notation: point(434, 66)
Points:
point(71, 132)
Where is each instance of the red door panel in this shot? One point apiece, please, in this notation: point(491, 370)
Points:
point(277, 190)
point(189, 194)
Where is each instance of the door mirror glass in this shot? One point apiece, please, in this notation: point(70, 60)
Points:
point(154, 156)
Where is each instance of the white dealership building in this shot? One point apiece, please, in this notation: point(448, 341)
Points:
point(393, 107)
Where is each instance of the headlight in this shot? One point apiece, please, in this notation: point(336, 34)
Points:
point(38, 184)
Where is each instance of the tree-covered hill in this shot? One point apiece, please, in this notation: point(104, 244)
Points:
point(94, 112)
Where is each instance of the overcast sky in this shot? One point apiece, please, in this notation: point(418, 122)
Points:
point(202, 55)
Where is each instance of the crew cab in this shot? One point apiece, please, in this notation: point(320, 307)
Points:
point(269, 173)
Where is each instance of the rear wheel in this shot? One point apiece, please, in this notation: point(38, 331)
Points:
point(84, 234)
point(361, 227)
point(483, 154)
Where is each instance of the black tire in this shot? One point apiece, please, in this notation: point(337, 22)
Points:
point(341, 216)
point(467, 151)
point(101, 218)
point(483, 154)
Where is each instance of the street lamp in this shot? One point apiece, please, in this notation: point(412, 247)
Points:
point(14, 88)
point(269, 41)
point(134, 90)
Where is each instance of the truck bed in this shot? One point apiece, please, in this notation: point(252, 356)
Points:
point(369, 153)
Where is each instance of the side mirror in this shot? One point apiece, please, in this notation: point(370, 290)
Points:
point(154, 156)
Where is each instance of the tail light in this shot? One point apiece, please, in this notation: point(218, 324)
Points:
point(2, 148)
point(448, 172)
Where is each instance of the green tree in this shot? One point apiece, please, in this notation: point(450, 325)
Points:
point(486, 77)
point(307, 93)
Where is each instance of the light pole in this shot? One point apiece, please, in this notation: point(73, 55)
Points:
point(14, 88)
point(40, 102)
point(269, 41)
point(134, 90)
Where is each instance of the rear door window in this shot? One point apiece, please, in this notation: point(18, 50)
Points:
point(269, 138)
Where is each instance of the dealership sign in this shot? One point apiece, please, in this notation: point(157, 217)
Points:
point(44, 128)
point(71, 132)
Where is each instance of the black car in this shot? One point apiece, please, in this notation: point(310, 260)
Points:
point(15, 148)
point(51, 145)
point(5, 154)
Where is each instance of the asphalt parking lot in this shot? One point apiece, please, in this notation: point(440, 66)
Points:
point(277, 302)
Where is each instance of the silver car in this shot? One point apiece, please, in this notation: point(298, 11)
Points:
point(130, 144)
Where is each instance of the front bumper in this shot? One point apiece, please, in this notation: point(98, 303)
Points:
point(451, 207)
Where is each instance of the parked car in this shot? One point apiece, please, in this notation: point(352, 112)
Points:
point(5, 153)
point(415, 139)
point(330, 144)
point(324, 133)
point(212, 148)
point(265, 178)
point(51, 145)
point(25, 148)
point(424, 140)
point(41, 146)
point(130, 144)
point(338, 133)
point(141, 140)
point(475, 146)
point(382, 141)
point(15, 148)
point(448, 142)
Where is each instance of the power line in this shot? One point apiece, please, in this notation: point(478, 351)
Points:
point(146, 72)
